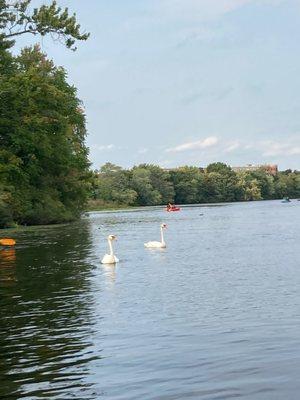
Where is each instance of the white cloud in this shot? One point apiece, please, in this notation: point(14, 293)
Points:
point(143, 150)
point(268, 148)
point(206, 9)
point(232, 147)
point(200, 144)
point(295, 151)
point(201, 8)
point(199, 33)
point(165, 163)
point(273, 149)
point(103, 147)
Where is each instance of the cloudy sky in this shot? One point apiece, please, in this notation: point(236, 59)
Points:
point(178, 82)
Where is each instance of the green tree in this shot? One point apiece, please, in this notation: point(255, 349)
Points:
point(188, 184)
point(219, 168)
point(142, 184)
point(112, 185)
point(222, 181)
point(44, 174)
point(43, 158)
point(252, 190)
point(287, 184)
point(265, 183)
point(17, 19)
point(249, 186)
point(160, 181)
point(151, 185)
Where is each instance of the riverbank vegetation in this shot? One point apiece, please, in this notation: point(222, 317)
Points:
point(44, 168)
point(147, 185)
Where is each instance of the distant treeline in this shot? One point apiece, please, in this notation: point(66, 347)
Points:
point(146, 185)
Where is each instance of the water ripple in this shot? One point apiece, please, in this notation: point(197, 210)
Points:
point(214, 316)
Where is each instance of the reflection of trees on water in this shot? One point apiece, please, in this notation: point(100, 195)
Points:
point(47, 315)
point(8, 256)
point(7, 266)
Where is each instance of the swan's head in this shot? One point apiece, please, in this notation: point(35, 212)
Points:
point(112, 237)
point(163, 226)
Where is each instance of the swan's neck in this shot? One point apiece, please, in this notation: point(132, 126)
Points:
point(111, 251)
point(162, 235)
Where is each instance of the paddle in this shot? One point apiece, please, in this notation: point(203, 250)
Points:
point(7, 242)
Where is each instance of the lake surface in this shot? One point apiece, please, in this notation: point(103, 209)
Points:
point(216, 315)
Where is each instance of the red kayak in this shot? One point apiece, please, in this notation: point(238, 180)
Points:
point(173, 208)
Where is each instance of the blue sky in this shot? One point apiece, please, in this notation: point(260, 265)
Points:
point(177, 82)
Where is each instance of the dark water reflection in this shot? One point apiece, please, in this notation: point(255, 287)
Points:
point(214, 316)
point(46, 313)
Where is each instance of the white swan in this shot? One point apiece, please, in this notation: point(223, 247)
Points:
point(162, 243)
point(110, 258)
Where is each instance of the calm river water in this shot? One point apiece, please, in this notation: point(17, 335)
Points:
point(216, 315)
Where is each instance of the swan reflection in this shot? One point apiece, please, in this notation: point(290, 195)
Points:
point(109, 271)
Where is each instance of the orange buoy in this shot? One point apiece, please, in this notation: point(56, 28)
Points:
point(7, 242)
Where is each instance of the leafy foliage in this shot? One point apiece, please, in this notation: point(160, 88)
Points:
point(17, 19)
point(44, 170)
point(151, 185)
point(44, 174)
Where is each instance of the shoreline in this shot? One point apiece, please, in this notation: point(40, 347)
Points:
point(139, 208)
point(111, 209)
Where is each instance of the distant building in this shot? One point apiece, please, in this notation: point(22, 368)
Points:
point(271, 169)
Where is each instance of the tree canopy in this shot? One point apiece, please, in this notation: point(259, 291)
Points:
point(151, 185)
point(16, 18)
point(44, 169)
point(43, 158)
